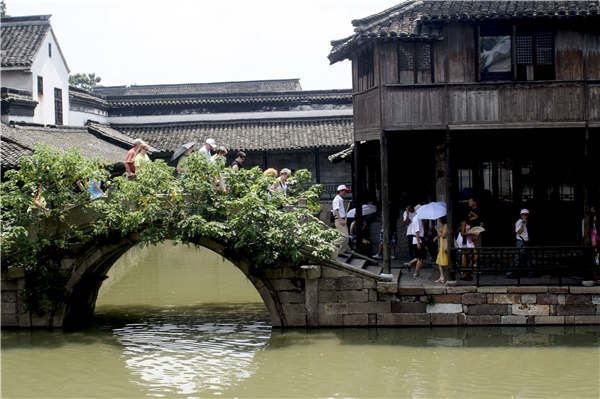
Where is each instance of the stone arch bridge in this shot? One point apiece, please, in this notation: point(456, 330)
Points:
point(308, 293)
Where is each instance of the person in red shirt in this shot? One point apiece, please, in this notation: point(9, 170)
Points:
point(130, 159)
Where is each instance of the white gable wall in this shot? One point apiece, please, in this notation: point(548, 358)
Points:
point(55, 74)
point(20, 80)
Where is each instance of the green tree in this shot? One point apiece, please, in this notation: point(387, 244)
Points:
point(83, 81)
point(210, 202)
point(3, 9)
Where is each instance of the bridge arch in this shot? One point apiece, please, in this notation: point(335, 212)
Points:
point(89, 268)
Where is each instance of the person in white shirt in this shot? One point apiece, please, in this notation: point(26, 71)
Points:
point(522, 237)
point(209, 145)
point(407, 218)
point(417, 230)
point(339, 214)
point(280, 184)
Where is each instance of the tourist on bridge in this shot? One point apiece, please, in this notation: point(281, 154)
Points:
point(271, 172)
point(94, 188)
point(181, 163)
point(130, 159)
point(219, 156)
point(142, 157)
point(338, 211)
point(208, 146)
point(237, 163)
point(280, 184)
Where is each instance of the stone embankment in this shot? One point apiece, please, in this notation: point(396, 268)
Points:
point(338, 294)
point(322, 296)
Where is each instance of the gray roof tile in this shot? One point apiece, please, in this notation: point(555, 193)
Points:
point(22, 38)
point(251, 86)
point(249, 135)
point(22, 139)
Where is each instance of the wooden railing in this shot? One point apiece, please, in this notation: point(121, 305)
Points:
point(537, 265)
point(479, 104)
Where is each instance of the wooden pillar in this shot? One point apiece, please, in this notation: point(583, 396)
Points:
point(449, 198)
point(357, 195)
point(385, 203)
point(264, 160)
point(587, 164)
point(317, 165)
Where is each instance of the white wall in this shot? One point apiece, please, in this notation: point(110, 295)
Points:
point(225, 116)
point(55, 75)
point(79, 115)
point(19, 80)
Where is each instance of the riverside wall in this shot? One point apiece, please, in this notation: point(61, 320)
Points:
point(325, 296)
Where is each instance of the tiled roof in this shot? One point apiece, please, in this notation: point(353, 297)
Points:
point(11, 152)
point(106, 132)
point(249, 135)
point(308, 97)
point(419, 19)
point(21, 39)
point(23, 138)
point(251, 86)
point(77, 95)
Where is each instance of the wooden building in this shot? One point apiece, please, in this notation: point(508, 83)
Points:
point(497, 99)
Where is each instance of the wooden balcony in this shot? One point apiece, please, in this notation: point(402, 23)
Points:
point(502, 105)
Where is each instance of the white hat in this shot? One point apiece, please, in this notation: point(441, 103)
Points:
point(342, 187)
point(524, 211)
point(417, 207)
point(211, 142)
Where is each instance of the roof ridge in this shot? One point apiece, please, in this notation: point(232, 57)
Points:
point(197, 83)
point(116, 126)
point(42, 19)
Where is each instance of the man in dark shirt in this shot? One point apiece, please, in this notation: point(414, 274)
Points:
point(474, 214)
point(237, 164)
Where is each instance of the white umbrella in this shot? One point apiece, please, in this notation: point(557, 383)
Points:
point(367, 209)
point(433, 210)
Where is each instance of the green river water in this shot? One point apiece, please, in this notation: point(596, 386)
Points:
point(182, 322)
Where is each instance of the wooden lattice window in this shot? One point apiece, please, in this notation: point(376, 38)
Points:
point(40, 85)
point(366, 70)
point(534, 55)
point(414, 62)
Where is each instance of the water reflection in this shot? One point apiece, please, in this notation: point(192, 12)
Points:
point(185, 351)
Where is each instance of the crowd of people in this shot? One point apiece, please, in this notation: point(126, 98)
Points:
point(427, 236)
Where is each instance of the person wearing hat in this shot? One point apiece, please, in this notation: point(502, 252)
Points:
point(522, 237)
point(339, 214)
point(209, 145)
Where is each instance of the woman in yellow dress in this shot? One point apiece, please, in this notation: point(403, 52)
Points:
point(442, 237)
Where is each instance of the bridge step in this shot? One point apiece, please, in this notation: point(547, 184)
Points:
point(374, 269)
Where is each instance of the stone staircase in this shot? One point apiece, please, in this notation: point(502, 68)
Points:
point(362, 263)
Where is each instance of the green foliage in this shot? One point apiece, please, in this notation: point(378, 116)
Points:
point(3, 9)
point(83, 81)
point(208, 202)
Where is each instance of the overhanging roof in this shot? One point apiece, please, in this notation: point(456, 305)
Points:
point(420, 19)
